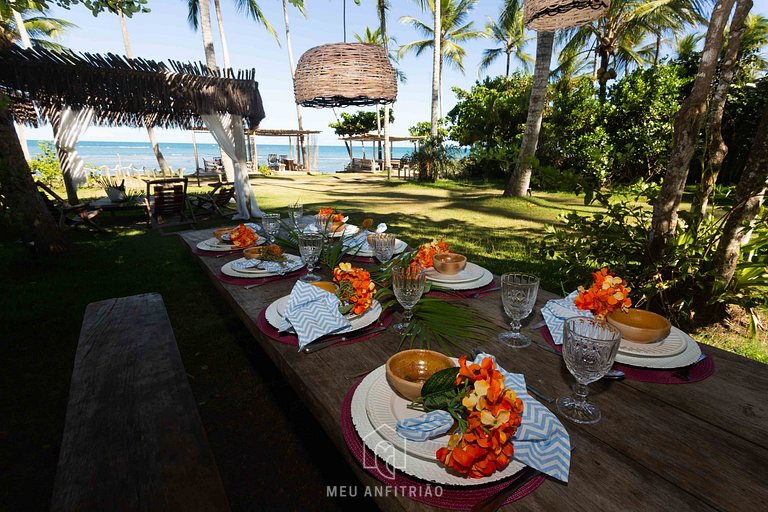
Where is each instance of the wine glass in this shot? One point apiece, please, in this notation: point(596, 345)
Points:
point(271, 224)
point(518, 295)
point(323, 222)
point(383, 245)
point(295, 213)
point(310, 245)
point(589, 348)
point(408, 284)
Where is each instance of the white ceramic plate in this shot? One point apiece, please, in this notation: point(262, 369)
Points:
point(665, 347)
point(294, 263)
point(483, 280)
point(688, 356)
point(366, 251)
point(385, 408)
point(471, 272)
point(348, 230)
point(274, 314)
point(427, 470)
point(213, 244)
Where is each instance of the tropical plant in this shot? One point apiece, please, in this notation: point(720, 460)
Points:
point(43, 31)
point(434, 158)
point(299, 5)
point(509, 35)
point(374, 37)
point(46, 164)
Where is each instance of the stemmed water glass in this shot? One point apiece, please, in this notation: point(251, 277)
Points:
point(295, 213)
point(518, 295)
point(271, 224)
point(589, 348)
point(408, 284)
point(322, 223)
point(310, 246)
point(383, 245)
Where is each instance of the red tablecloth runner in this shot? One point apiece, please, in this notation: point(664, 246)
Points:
point(697, 372)
point(451, 497)
point(385, 319)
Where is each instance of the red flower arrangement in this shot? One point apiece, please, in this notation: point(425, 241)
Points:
point(243, 236)
point(428, 250)
point(356, 289)
point(493, 414)
point(607, 294)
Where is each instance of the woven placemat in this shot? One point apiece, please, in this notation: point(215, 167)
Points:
point(264, 326)
point(245, 281)
point(451, 497)
point(695, 373)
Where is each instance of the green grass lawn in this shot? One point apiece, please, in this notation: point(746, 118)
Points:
point(44, 306)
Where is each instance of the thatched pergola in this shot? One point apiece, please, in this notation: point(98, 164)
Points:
point(72, 90)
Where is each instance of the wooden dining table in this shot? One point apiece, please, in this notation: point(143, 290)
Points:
point(699, 446)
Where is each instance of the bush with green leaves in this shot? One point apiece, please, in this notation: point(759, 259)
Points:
point(434, 159)
point(46, 166)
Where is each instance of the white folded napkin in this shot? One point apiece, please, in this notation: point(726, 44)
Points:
point(312, 312)
point(275, 267)
point(556, 312)
point(360, 241)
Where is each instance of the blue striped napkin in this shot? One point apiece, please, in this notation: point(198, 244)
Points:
point(268, 266)
point(312, 312)
point(426, 426)
point(556, 312)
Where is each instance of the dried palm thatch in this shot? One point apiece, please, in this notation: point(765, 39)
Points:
point(133, 92)
point(344, 74)
point(550, 15)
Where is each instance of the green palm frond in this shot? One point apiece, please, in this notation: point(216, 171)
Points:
point(252, 9)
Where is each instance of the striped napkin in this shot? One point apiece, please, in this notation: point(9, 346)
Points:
point(275, 267)
point(556, 312)
point(426, 426)
point(312, 312)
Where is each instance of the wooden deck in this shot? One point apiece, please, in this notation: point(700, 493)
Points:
point(699, 447)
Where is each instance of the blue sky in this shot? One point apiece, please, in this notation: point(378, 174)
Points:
point(164, 34)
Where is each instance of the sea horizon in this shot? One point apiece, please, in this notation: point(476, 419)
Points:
point(139, 155)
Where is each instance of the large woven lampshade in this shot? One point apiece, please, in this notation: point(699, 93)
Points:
point(344, 74)
point(550, 15)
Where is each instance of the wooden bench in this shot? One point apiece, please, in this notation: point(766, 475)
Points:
point(133, 439)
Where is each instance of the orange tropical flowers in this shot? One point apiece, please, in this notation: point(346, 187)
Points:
point(607, 294)
point(355, 287)
point(494, 414)
point(243, 236)
point(428, 250)
point(334, 216)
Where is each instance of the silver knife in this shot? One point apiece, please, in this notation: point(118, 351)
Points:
point(313, 347)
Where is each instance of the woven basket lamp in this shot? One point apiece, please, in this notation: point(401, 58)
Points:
point(550, 15)
point(344, 74)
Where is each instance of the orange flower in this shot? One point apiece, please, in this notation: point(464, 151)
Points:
point(428, 250)
point(607, 294)
point(243, 236)
point(325, 211)
point(355, 287)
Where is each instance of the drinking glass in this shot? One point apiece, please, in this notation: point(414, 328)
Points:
point(310, 245)
point(295, 213)
point(589, 348)
point(323, 223)
point(518, 295)
point(383, 245)
point(408, 284)
point(271, 224)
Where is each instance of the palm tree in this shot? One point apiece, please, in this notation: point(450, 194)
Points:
point(453, 30)
point(616, 37)
point(509, 35)
point(298, 4)
point(374, 37)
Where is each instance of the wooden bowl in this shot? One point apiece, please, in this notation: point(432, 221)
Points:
point(328, 286)
point(449, 263)
point(408, 370)
point(640, 326)
point(218, 233)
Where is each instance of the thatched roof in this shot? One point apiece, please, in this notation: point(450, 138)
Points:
point(126, 91)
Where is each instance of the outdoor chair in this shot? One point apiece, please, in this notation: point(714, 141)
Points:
point(65, 214)
point(209, 172)
point(272, 162)
point(218, 200)
point(166, 203)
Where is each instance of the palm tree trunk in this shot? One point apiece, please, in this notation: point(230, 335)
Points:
point(657, 52)
point(205, 30)
point(602, 73)
point(506, 70)
point(291, 62)
point(25, 43)
point(520, 180)
point(164, 167)
point(437, 31)
point(716, 147)
point(687, 124)
point(222, 35)
point(382, 4)
point(750, 193)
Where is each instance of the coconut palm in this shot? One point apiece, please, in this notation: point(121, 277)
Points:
point(619, 39)
point(509, 35)
point(298, 4)
point(42, 30)
point(374, 37)
point(453, 30)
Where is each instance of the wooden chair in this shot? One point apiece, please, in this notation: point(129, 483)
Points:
point(166, 203)
point(216, 201)
point(209, 172)
point(65, 214)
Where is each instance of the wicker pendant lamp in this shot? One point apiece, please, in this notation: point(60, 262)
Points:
point(344, 74)
point(550, 15)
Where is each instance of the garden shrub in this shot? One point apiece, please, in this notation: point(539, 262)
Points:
point(45, 165)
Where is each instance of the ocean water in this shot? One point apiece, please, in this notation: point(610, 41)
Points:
point(330, 159)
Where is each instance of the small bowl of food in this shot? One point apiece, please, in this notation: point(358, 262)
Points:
point(639, 325)
point(328, 286)
point(408, 370)
point(449, 263)
point(218, 233)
